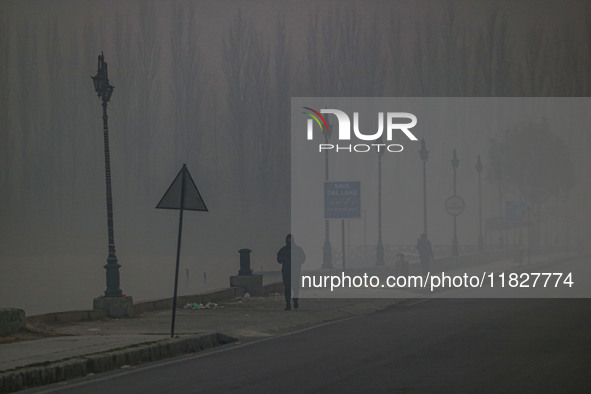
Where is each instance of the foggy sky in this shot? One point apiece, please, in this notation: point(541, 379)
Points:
point(172, 104)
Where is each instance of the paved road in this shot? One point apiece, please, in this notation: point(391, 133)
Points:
point(434, 345)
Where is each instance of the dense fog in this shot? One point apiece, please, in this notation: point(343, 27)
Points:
point(210, 84)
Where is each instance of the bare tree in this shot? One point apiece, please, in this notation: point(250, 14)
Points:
point(344, 56)
point(147, 91)
point(258, 105)
point(237, 45)
point(320, 45)
point(587, 58)
point(26, 144)
point(247, 68)
point(368, 59)
point(567, 63)
point(6, 132)
point(426, 58)
point(535, 75)
point(280, 126)
point(397, 67)
point(454, 78)
point(54, 181)
point(126, 96)
point(187, 81)
point(493, 57)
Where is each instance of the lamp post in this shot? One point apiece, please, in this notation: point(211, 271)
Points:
point(454, 165)
point(380, 245)
point(104, 91)
point(566, 222)
point(501, 219)
point(424, 154)
point(327, 248)
point(479, 171)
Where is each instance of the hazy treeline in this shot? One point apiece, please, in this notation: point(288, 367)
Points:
point(221, 100)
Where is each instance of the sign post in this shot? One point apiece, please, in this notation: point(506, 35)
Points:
point(181, 194)
point(455, 205)
point(342, 200)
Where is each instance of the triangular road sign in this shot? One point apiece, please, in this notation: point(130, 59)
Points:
point(191, 200)
point(181, 194)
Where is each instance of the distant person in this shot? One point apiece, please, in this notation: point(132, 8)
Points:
point(291, 257)
point(425, 252)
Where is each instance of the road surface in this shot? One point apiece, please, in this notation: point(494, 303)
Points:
point(427, 345)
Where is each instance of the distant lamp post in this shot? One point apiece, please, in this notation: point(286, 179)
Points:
point(454, 246)
point(501, 219)
point(380, 245)
point(104, 91)
point(327, 248)
point(479, 168)
point(424, 154)
point(566, 222)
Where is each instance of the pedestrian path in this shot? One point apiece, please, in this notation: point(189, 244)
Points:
point(101, 345)
point(80, 348)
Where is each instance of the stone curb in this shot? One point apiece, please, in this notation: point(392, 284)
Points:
point(67, 317)
point(150, 306)
point(522, 267)
point(32, 376)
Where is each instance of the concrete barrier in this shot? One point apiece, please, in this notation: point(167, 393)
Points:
point(471, 259)
point(152, 305)
point(12, 320)
point(77, 367)
point(440, 264)
point(202, 298)
point(68, 317)
point(273, 288)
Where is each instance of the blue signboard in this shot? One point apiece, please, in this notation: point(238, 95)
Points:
point(342, 200)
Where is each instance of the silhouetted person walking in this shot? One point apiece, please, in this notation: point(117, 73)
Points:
point(291, 257)
point(425, 252)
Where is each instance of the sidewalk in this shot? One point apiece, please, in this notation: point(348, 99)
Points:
point(81, 348)
point(107, 344)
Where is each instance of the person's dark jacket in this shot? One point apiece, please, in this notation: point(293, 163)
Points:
point(424, 248)
point(290, 253)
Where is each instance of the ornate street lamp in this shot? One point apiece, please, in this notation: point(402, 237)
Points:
point(479, 168)
point(380, 245)
point(327, 248)
point(454, 246)
point(424, 154)
point(104, 91)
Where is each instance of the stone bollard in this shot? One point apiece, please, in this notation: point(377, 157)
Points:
point(253, 284)
point(401, 265)
point(244, 262)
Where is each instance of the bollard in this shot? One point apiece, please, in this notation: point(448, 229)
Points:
point(253, 284)
point(244, 262)
point(401, 265)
